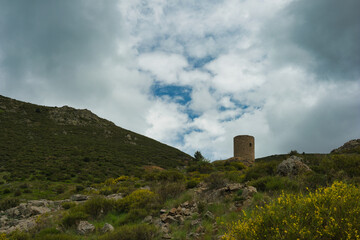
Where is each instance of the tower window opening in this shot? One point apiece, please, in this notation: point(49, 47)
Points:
point(250, 144)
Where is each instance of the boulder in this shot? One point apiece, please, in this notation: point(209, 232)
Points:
point(79, 197)
point(292, 167)
point(85, 228)
point(248, 192)
point(148, 219)
point(107, 228)
point(115, 196)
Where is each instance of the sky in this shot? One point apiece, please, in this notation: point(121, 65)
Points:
point(193, 74)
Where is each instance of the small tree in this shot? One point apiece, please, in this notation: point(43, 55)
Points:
point(198, 156)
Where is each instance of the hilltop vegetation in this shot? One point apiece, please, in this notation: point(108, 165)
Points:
point(65, 144)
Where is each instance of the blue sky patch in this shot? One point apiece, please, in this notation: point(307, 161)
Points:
point(179, 94)
point(199, 62)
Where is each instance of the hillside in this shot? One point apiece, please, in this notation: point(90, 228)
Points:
point(59, 144)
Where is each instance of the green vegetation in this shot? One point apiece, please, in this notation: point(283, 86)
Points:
point(69, 145)
point(328, 213)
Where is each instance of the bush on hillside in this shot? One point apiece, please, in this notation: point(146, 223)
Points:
point(261, 169)
point(8, 203)
point(141, 198)
point(328, 213)
point(170, 190)
point(275, 183)
point(216, 180)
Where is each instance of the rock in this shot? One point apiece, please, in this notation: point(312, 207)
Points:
point(107, 228)
point(292, 167)
point(209, 215)
point(234, 186)
point(180, 219)
point(146, 187)
point(173, 211)
point(195, 222)
point(248, 192)
point(166, 236)
point(115, 196)
point(187, 212)
point(79, 197)
point(169, 219)
point(85, 228)
point(162, 211)
point(39, 210)
point(185, 204)
point(148, 219)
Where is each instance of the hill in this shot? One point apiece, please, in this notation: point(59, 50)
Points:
point(352, 146)
point(67, 144)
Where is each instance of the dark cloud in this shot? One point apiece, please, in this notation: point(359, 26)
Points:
point(50, 40)
point(327, 30)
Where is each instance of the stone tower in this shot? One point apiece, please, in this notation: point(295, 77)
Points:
point(244, 148)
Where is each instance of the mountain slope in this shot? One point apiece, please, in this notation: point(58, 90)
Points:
point(50, 143)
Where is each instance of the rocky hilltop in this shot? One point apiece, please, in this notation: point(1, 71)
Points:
point(352, 146)
point(62, 143)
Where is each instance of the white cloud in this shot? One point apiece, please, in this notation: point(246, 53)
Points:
point(167, 121)
point(165, 67)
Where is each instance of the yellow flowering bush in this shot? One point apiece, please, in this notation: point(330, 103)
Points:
point(3, 236)
point(141, 198)
point(328, 213)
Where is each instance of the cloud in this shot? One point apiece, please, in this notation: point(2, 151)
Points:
point(322, 36)
point(164, 67)
point(167, 121)
point(193, 74)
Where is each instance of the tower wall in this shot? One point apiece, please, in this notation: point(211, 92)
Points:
point(244, 147)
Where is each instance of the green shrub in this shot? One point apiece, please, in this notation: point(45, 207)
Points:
point(261, 169)
point(17, 235)
point(192, 183)
point(60, 189)
point(202, 206)
point(165, 175)
point(201, 167)
point(68, 205)
point(329, 213)
point(98, 206)
point(133, 232)
point(275, 183)
point(73, 217)
point(24, 186)
point(17, 193)
point(53, 234)
point(216, 180)
point(8, 203)
point(79, 188)
point(6, 191)
point(170, 190)
point(136, 214)
point(141, 198)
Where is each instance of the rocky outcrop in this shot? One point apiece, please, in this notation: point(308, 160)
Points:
point(292, 166)
point(78, 117)
point(23, 217)
point(352, 146)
